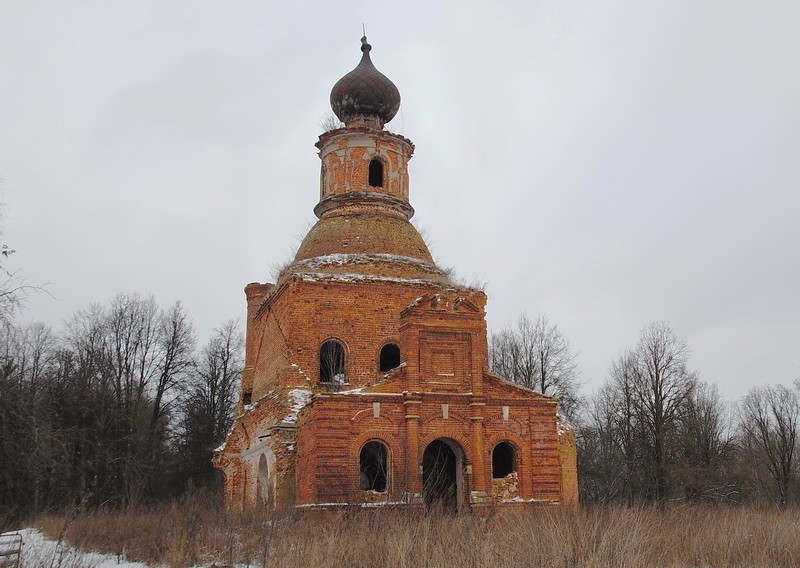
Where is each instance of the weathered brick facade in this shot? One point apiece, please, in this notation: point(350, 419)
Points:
point(366, 369)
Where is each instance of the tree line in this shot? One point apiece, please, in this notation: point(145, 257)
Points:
point(121, 407)
point(118, 408)
point(654, 432)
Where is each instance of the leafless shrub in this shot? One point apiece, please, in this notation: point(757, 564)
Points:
point(330, 121)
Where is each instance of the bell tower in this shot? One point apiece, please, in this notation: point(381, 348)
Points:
point(364, 208)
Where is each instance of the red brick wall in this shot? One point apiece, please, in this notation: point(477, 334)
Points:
point(364, 316)
point(339, 425)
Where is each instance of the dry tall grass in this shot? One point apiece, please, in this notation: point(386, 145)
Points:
point(193, 532)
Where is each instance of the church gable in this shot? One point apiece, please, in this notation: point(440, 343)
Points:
point(444, 334)
point(498, 387)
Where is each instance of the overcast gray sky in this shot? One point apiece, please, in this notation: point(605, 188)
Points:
point(608, 163)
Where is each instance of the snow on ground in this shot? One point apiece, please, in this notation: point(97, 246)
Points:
point(41, 552)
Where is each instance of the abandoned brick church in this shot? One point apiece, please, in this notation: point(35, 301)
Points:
point(366, 375)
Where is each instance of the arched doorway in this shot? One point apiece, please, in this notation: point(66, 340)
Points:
point(374, 467)
point(442, 479)
point(262, 481)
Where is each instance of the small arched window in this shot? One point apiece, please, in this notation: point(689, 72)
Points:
point(331, 362)
point(373, 467)
point(390, 357)
point(375, 172)
point(504, 460)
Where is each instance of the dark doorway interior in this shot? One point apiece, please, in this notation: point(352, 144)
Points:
point(504, 460)
point(390, 357)
point(374, 462)
point(440, 477)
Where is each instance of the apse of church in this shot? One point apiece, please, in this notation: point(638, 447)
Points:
point(366, 375)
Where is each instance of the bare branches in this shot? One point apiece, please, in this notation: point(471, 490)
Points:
point(93, 410)
point(536, 355)
point(14, 289)
point(208, 407)
point(14, 293)
point(769, 426)
point(639, 411)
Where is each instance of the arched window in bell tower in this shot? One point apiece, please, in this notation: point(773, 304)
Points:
point(375, 173)
point(331, 362)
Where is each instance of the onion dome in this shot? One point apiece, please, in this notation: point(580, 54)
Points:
point(365, 96)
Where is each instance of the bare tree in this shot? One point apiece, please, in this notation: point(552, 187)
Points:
point(626, 419)
point(88, 415)
point(332, 359)
point(769, 425)
point(636, 417)
point(536, 355)
point(707, 447)
point(605, 452)
point(663, 385)
point(211, 401)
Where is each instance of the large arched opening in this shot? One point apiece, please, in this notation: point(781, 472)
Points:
point(442, 475)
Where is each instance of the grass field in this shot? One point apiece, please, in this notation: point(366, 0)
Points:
point(197, 532)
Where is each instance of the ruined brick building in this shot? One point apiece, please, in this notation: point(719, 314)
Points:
point(366, 370)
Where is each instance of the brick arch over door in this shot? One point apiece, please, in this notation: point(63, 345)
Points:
point(451, 433)
point(445, 479)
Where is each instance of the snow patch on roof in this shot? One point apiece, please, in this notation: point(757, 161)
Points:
point(299, 399)
point(221, 447)
point(357, 278)
point(339, 259)
point(351, 391)
point(300, 370)
point(563, 425)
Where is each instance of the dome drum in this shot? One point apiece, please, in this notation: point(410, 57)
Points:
point(359, 203)
point(348, 157)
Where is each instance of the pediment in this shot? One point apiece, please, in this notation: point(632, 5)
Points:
point(442, 303)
